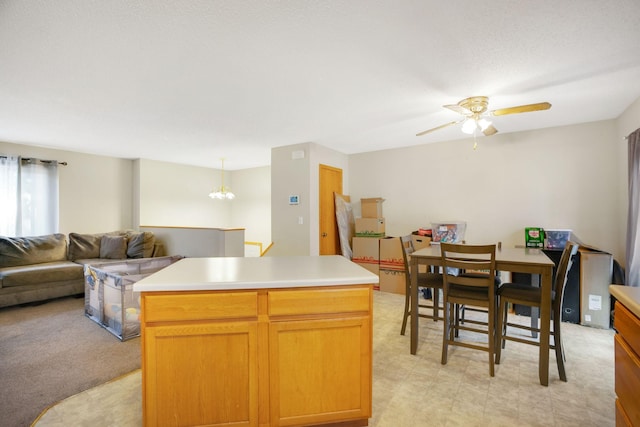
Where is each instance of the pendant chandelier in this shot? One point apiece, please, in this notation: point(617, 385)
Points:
point(222, 192)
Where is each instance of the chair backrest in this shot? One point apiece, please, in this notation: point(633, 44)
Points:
point(466, 258)
point(407, 250)
point(562, 271)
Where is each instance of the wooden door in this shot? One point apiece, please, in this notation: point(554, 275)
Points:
point(330, 183)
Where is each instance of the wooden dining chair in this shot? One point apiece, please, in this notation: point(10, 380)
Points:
point(428, 280)
point(478, 290)
point(525, 294)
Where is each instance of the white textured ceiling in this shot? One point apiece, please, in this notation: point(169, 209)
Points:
point(191, 81)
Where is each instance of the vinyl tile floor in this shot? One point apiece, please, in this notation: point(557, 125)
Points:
point(417, 390)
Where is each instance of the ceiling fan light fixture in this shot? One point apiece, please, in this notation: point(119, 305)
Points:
point(473, 111)
point(469, 126)
point(484, 124)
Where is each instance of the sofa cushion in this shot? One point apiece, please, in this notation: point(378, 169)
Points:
point(83, 246)
point(113, 247)
point(92, 261)
point(15, 251)
point(141, 244)
point(41, 273)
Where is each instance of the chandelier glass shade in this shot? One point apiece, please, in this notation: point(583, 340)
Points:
point(222, 192)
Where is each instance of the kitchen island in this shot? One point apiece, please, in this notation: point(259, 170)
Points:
point(627, 354)
point(268, 341)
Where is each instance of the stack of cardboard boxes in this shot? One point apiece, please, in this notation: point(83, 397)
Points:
point(374, 251)
point(368, 230)
point(372, 222)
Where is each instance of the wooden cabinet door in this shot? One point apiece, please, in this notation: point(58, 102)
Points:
point(320, 370)
point(201, 374)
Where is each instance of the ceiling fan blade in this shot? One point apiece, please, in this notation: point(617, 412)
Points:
point(439, 127)
point(458, 109)
point(490, 130)
point(521, 109)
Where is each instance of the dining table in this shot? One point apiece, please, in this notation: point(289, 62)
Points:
point(512, 259)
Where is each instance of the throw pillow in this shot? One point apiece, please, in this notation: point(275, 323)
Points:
point(84, 246)
point(113, 247)
point(141, 244)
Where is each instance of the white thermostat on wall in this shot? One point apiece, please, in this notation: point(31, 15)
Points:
point(294, 199)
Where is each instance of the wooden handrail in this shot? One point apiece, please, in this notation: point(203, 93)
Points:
point(259, 244)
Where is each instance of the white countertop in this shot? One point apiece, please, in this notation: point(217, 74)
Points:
point(223, 273)
point(629, 296)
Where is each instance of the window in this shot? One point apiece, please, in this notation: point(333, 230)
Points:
point(29, 196)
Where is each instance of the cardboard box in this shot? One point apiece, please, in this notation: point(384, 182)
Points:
point(393, 281)
point(595, 276)
point(391, 257)
point(366, 250)
point(366, 253)
point(372, 208)
point(420, 242)
point(372, 268)
point(533, 237)
point(370, 227)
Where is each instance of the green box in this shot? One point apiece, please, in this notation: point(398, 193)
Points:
point(534, 237)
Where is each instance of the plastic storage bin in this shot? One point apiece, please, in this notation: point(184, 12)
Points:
point(109, 297)
point(448, 232)
point(556, 238)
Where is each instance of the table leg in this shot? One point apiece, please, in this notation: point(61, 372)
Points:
point(535, 311)
point(545, 325)
point(414, 305)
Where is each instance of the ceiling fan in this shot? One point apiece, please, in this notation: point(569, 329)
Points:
point(474, 110)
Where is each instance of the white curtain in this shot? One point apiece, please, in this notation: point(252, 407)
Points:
point(29, 195)
point(9, 191)
point(633, 217)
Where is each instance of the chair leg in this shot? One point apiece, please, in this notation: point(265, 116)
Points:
point(407, 299)
point(501, 329)
point(436, 302)
point(492, 339)
point(557, 341)
point(446, 310)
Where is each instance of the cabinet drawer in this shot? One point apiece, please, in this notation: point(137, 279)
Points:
point(627, 379)
point(627, 325)
point(319, 301)
point(199, 306)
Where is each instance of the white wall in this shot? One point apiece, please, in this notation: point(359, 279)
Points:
point(251, 209)
point(564, 177)
point(290, 176)
point(299, 176)
point(95, 191)
point(173, 194)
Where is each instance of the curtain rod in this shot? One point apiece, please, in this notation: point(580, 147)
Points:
point(39, 160)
